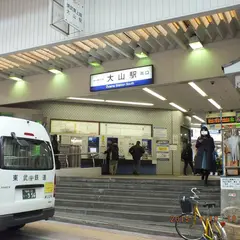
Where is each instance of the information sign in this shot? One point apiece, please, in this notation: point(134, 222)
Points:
point(122, 79)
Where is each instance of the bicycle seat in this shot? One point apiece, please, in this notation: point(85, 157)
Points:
point(209, 205)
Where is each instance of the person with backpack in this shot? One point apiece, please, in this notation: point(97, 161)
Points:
point(187, 157)
point(137, 152)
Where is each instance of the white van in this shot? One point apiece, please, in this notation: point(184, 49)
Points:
point(27, 173)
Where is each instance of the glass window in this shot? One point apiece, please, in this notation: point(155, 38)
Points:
point(26, 154)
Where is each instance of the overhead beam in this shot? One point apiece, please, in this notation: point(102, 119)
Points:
point(119, 50)
point(25, 65)
point(179, 42)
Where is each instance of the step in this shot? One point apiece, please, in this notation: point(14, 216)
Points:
point(125, 199)
point(139, 180)
point(136, 187)
point(144, 227)
point(156, 208)
point(130, 192)
point(117, 213)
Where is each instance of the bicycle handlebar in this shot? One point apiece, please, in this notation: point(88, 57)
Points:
point(194, 190)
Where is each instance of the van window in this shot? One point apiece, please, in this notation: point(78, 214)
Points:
point(33, 155)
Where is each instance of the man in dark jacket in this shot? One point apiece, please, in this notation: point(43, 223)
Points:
point(112, 157)
point(204, 158)
point(187, 156)
point(56, 151)
point(137, 152)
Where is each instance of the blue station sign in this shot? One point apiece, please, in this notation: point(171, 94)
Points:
point(122, 79)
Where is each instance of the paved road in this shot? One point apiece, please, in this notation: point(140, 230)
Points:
point(61, 231)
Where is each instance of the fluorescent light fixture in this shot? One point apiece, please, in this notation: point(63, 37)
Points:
point(215, 104)
point(198, 118)
point(94, 62)
point(198, 89)
point(154, 94)
point(54, 70)
point(196, 124)
point(15, 77)
point(178, 107)
point(130, 103)
point(86, 99)
point(140, 53)
point(195, 43)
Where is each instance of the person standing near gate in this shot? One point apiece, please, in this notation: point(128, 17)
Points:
point(137, 152)
point(187, 156)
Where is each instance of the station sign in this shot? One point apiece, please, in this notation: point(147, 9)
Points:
point(127, 78)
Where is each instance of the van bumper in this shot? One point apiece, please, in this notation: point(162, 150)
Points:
point(12, 220)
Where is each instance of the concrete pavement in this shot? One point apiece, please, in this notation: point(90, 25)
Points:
point(61, 231)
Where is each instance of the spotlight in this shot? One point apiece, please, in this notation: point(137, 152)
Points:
point(15, 77)
point(140, 53)
point(195, 43)
point(54, 70)
point(94, 62)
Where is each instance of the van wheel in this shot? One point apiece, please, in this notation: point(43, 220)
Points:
point(16, 228)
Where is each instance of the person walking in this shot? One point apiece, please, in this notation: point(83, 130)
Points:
point(137, 152)
point(56, 151)
point(204, 157)
point(187, 156)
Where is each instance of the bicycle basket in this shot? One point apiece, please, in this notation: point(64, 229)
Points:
point(186, 205)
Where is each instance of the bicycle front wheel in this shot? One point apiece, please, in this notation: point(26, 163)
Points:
point(188, 227)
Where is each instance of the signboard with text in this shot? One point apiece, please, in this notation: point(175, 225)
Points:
point(73, 13)
point(162, 150)
point(122, 79)
point(217, 120)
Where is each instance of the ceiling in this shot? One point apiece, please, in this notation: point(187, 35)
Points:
point(156, 38)
point(219, 89)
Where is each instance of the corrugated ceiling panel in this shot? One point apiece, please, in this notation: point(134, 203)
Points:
point(26, 23)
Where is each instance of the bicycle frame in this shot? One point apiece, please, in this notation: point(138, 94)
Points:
point(208, 231)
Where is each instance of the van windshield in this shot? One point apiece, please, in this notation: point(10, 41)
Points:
point(33, 155)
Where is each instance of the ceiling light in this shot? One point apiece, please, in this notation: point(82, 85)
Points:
point(154, 94)
point(198, 89)
point(86, 99)
point(196, 124)
point(54, 70)
point(15, 77)
point(178, 107)
point(215, 104)
point(198, 118)
point(140, 53)
point(195, 43)
point(130, 103)
point(94, 62)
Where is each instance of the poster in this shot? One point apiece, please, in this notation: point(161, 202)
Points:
point(175, 139)
point(230, 183)
point(231, 144)
point(160, 133)
point(238, 117)
point(173, 147)
point(162, 150)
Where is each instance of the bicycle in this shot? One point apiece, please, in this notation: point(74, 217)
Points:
point(211, 229)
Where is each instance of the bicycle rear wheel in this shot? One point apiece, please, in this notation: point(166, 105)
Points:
point(185, 223)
